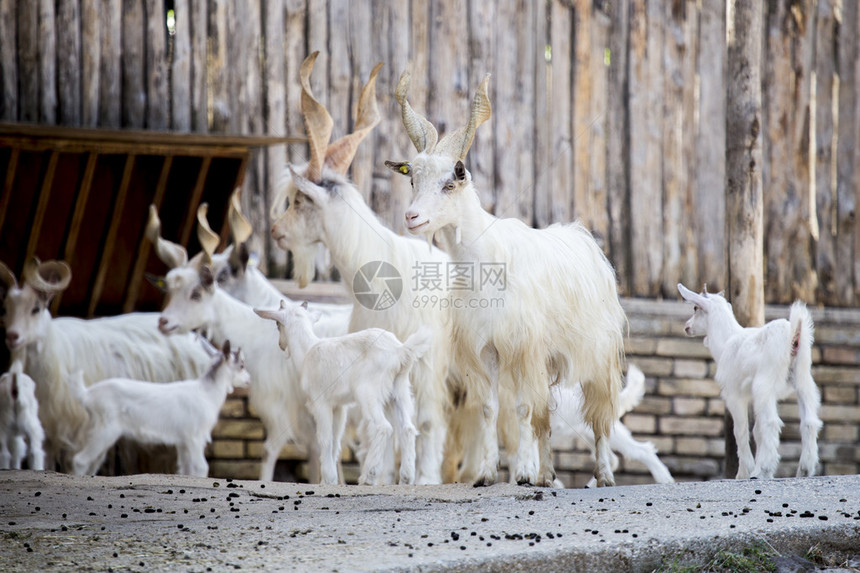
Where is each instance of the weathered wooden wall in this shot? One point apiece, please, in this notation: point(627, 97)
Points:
point(610, 111)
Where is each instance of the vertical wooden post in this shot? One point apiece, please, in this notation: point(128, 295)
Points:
point(847, 153)
point(743, 172)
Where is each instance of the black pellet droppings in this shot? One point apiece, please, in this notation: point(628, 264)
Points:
point(843, 500)
point(769, 520)
point(122, 495)
point(594, 532)
point(649, 504)
point(822, 517)
point(462, 548)
point(489, 544)
point(64, 516)
point(179, 526)
point(124, 515)
point(758, 492)
point(310, 492)
point(11, 523)
point(89, 498)
point(212, 510)
point(455, 536)
point(484, 519)
point(181, 491)
point(115, 554)
point(169, 492)
point(807, 514)
point(37, 494)
point(784, 505)
point(531, 512)
point(637, 535)
point(64, 528)
point(149, 510)
point(474, 533)
point(732, 526)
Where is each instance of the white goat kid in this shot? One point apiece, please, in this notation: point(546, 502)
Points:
point(180, 414)
point(21, 433)
point(324, 207)
point(567, 423)
point(559, 319)
point(370, 368)
point(758, 367)
point(51, 349)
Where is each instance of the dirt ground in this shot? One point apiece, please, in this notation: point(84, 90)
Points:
point(53, 522)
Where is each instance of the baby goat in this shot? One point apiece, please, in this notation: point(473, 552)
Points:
point(758, 367)
point(180, 414)
point(20, 429)
point(370, 368)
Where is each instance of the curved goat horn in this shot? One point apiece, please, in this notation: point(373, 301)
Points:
point(240, 228)
point(457, 144)
point(209, 240)
point(50, 276)
point(318, 123)
point(339, 154)
point(421, 132)
point(171, 254)
point(7, 277)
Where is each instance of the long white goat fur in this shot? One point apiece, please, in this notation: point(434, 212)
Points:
point(369, 368)
point(757, 367)
point(51, 349)
point(560, 320)
point(21, 432)
point(180, 414)
point(329, 209)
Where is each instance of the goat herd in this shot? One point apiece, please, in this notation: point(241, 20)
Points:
point(546, 357)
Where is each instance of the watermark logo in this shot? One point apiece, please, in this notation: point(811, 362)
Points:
point(377, 285)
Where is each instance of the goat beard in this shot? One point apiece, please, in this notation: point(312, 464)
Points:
point(304, 264)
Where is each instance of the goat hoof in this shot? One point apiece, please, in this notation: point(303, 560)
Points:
point(524, 481)
point(483, 482)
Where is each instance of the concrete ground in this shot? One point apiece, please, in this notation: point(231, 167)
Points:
point(54, 522)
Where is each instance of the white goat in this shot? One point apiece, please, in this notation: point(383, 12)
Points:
point(21, 432)
point(52, 348)
point(180, 414)
point(324, 207)
point(558, 318)
point(757, 367)
point(370, 368)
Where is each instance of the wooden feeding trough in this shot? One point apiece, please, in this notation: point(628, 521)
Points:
point(81, 195)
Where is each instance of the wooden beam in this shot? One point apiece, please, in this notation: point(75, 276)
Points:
point(42, 207)
point(144, 246)
point(11, 168)
point(194, 201)
point(77, 218)
point(110, 240)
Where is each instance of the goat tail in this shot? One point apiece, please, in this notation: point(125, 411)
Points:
point(417, 345)
point(808, 395)
point(802, 335)
point(633, 392)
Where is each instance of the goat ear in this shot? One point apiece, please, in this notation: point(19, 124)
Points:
point(304, 304)
point(283, 305)
point(690, 296)
point(226, 349)
point(158, 282)
point(266, 313)
point(402, 167)
point(460, 171)
point(308, 188)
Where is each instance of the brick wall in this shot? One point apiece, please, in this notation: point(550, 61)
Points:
point(682, 413)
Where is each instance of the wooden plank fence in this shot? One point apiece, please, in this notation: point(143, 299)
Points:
point(610, 111)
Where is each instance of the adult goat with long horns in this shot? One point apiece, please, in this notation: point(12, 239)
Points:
point(324, 207)
point(559, 319)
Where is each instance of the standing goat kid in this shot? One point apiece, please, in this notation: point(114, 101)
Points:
point(370, 368)
point(559, 319)
point(21, 432)
point(180, 414)
point(758, 367)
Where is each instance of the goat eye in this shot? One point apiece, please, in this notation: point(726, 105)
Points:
point(35, 310)
point(195, 294)
point(449, 186)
